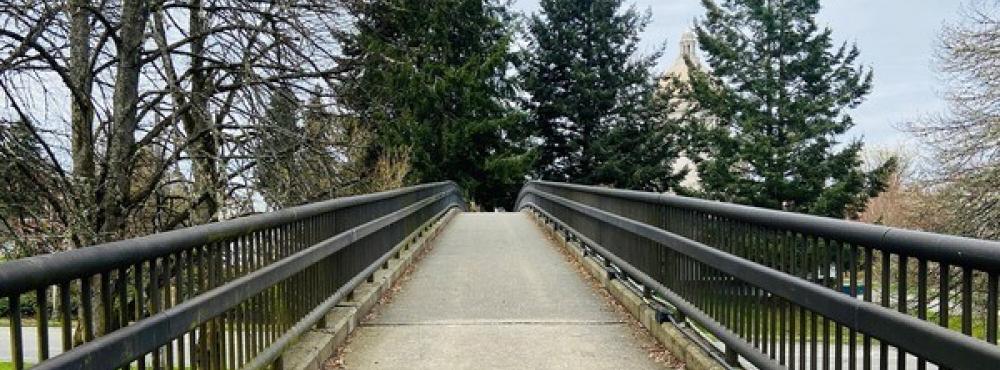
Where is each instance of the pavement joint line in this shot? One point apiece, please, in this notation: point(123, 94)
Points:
point(496, 323)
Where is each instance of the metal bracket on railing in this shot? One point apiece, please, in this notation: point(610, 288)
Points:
point(613, 273)
point(665, 315)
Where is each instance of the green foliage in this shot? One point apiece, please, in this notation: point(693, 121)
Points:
point(432, 76)
point(638, 153)
point(280, 137)
point(28, 306)
point(306, 153)
point(774, 105)
point(591, 97)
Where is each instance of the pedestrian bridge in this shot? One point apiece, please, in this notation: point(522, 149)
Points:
point(578, 277)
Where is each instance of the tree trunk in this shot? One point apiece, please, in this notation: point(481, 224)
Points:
point(82, 121)
point(121, 145)
point(203, 153)
point(121, 141)
point(203, 150)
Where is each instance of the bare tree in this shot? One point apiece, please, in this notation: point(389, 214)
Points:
point(162, 100)
point(128, 117)
point(965, 139)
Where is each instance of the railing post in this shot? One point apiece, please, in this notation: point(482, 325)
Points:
point(732, 358)
point(610, 269)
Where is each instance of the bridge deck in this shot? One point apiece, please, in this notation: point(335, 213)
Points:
point(495, 294)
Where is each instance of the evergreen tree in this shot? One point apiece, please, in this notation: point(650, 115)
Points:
point(431, 77)
point(306, 153)
point(774, 104)
point(639, 152)
point(279, 138)
point(590, 95)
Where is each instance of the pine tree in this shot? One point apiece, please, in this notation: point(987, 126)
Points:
point(639, 152)
point(590, 96)
point(431, 77)
point(775, 102)
point(279, 137)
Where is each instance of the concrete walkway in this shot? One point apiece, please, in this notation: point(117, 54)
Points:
point(494, 294)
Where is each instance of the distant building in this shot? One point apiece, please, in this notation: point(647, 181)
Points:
point(680, 71)
point(689, 50)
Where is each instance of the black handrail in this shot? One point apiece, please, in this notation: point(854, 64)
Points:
point(760, 280)
point(956, 250)
point(28, 274)
point(228, 295)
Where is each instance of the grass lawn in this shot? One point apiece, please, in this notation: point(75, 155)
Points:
point(4, 365)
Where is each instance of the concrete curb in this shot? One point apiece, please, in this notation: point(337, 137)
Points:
point(317, 345)
point(668, 334)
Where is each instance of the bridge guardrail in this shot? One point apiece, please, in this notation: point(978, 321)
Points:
point(230, 294)
point(785, 290)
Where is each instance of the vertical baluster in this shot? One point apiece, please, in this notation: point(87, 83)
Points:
point(883, 347)
point(107, 306)
point(868, 291)
point(66, 320)
point(238, 266)
point(991, 308)
point(16, 340)
point(827, 272)
point(921, 300)
point(140, 303)
point(793, 309)
point(42, 314)
point(967, 301)
point(758, 312)
point(87, 306)
point(803, 267)
point(154, 304)
point(838, 342)
point(944, 295)
point(852, 340)
point(199, 347)
point(783, 309)
point(254, 306)
point(742, 323)
point(183, 266)
point(901, 298)
point(773, 304)
point(170, 263)
point(193, 275)
point(813, 319)
point(121, 287)
point(215, 338)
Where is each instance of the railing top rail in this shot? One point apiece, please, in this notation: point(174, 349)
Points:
point(26, 274)
point(944, 347)
point(119, 347)
point(960, 251)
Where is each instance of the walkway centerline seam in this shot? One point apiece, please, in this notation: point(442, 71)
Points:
point(496, 323)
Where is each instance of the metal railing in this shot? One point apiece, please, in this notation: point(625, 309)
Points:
point(784, 290)
point(226, 295)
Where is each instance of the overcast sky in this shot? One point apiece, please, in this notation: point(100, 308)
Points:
point(896, 38)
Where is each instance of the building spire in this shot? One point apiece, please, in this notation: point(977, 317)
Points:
point(689, 51)
point(689, 45)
